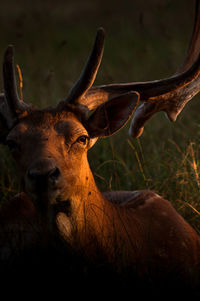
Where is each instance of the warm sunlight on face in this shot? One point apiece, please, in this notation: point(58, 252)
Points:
point(51, 151)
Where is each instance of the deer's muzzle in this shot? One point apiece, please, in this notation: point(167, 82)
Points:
point(41, 177)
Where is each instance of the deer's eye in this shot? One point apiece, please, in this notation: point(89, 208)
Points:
point(83, 139)
point(12, 145)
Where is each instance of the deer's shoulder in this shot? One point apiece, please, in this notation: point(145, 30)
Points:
point(135, 199)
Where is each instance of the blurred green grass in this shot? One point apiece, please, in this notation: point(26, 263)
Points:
point(145, 40)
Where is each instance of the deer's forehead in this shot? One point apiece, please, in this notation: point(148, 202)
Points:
point(49, 124)
point(70, 127)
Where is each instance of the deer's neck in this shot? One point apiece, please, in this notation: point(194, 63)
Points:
point(91, 214)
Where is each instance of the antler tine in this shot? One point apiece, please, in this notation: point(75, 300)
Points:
point(194, 46)
point(10, 89)
point(89, 71)
point(16, 107)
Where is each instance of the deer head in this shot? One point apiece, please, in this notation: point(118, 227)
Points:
point(50, 145)
point(57, 169)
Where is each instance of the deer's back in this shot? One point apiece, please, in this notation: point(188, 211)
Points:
point(155, 232)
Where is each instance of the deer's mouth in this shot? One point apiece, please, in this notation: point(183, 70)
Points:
point(49, 196)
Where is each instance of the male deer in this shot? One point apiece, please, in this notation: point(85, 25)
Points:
point(130, 229)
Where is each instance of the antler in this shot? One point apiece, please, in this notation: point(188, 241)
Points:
point(11, 103)
point(89, 71)
point(194, 45)
point(145, 111)
point(169, 95)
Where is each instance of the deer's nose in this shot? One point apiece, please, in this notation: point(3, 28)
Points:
point(52, 174)
point(43, 173)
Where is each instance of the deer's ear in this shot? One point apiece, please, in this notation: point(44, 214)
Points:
point(112, 115)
